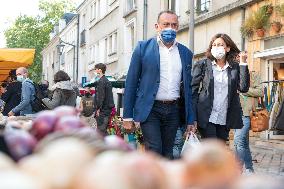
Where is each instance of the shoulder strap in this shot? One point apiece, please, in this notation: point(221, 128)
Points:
point(31, 83)
point(203, 67)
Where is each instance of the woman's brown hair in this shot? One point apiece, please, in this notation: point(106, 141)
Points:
point(232, 55)
point(61, 76)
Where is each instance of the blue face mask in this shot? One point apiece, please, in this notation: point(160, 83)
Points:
point(20, 78)
point(168, 35)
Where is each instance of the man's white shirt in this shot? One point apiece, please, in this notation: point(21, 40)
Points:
point(170, 72)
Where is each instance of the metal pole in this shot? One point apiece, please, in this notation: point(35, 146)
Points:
point(243, 42)
point(78, 34)
point(74, 63)
point(191, 25)
point(145, 15)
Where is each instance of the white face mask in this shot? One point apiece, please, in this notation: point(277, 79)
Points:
point(218, 52)
point(96, 76)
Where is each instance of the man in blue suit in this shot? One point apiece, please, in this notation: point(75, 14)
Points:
point(158, 87)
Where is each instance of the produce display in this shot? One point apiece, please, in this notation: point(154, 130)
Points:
point(56, 150)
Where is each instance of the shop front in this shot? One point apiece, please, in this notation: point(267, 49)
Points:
point(270, 64)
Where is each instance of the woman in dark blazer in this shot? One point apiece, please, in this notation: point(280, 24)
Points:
point(216, 83)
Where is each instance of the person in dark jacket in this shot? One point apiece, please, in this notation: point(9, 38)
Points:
point(63, 92)
point(216, 83)
point(28, 92)
point(3, 88)
point(103, 99)
point(12, 96)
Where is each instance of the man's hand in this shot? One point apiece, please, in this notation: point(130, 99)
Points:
point(11, 113)
point(192, 128)
point(127, 125)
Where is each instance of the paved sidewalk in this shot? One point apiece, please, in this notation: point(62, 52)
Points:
point(268, 157)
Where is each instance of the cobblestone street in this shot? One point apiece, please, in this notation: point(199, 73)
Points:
point(268, 157)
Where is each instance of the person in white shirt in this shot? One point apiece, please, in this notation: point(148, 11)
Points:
point(216, 84)
point(158, 90)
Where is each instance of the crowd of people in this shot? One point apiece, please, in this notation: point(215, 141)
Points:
point(18, 94)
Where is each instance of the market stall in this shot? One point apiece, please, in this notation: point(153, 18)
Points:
point(13, 58)
point(116, 83)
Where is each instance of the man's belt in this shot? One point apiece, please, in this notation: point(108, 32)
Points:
point(166, 101)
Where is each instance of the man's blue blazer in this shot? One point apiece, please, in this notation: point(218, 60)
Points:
point(143, 79)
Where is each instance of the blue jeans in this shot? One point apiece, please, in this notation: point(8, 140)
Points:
point(159, 129)
point(241, 141)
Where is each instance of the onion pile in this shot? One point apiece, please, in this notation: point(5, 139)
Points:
point(115, 142)
point(44, 124)
point(6, 162)
point(67, 123)
point(19, 142)
point(60, 152)
point(14, 179)
point(211, 165)
point(58, 162)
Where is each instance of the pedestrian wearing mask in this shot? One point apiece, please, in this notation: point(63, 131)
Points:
point(159, 68)
point(216, 83)
point(103, 99)
point(27, 94)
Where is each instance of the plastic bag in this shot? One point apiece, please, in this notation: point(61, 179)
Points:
point(191, 141)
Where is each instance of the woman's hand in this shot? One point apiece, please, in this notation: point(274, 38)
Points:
point(243, 56)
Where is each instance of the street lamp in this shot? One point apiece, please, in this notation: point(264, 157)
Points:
point(60, 48)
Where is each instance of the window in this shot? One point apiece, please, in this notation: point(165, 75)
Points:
point(132, 36)
point(83, 25)
point(83, 38)
point(99, 9)
point(62, 58)
point(94, 11)
point(92, 54)
point(130, 5)
point(105, 50)
point(173, 5)
point(97, 55)
point(112, 43)
point(98, 6)
point(91, 12)
point(103, 8)
point(202, 6)
point(53, 59)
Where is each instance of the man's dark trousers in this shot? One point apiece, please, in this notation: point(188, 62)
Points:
point(159, 129)
point(103, 121)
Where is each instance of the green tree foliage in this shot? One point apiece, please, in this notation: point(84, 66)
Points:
point(33, 32)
